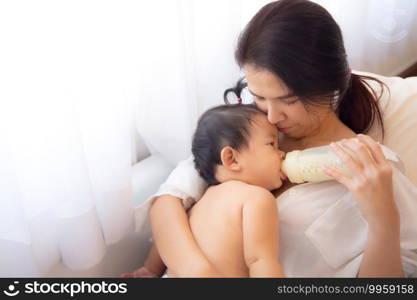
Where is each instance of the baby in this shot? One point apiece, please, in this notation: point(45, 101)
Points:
point(236, 151)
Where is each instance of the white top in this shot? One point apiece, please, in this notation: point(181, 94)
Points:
point(322, 231)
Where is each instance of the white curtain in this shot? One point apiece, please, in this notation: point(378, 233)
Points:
point(68, 73)
point(380, 35)
point(188, 61)
point(79, 78)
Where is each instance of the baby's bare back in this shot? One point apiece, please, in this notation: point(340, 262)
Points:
point(216, 222)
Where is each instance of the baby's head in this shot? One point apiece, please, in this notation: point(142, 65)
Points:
point(236, 142)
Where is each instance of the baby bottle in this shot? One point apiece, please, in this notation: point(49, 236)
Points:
point(305, 165)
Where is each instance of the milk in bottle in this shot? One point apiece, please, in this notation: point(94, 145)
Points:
point(305, 165)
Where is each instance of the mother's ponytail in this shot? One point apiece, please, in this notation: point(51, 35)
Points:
point(358, 107)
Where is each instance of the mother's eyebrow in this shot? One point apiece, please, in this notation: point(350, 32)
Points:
point(276, 98)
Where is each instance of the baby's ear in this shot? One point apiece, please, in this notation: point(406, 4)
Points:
point(228, 156)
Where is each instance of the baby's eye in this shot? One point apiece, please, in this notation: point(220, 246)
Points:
point(272, 144)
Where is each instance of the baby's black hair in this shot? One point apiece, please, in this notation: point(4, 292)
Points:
point(218, 127)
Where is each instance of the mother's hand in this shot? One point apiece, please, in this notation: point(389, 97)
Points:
point(371, 179)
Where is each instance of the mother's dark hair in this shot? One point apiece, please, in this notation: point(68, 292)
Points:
point(301, 43)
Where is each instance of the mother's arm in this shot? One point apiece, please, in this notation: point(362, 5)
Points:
point(372, 187)
point(382, 255)
point(175, 241)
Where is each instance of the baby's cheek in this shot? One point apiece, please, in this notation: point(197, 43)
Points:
point(279, 161)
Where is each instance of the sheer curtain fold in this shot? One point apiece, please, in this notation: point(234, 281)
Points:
point(187, 63)
point(68, 73)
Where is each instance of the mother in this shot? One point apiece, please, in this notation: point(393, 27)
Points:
point(295, 65)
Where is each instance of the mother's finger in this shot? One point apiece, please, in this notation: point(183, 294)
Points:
point(346, 157)
point(375, 148)
point(346, 181)
point(361, 152)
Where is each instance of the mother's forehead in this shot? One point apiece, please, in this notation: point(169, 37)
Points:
point(255, 75)
point(265, 84)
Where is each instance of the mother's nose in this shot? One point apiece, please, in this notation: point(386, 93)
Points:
point(275, 114)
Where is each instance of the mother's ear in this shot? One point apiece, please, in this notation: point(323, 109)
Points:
point(229, 158)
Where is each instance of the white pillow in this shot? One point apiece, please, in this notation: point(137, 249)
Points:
point(399, 109)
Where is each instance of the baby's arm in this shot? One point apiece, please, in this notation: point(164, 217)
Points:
point(154, 263)
point(261, 235)
point(153, 267)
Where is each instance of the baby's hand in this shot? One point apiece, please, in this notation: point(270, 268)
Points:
point(142, 272)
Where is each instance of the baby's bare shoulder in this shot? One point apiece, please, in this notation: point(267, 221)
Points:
point(243, 190)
